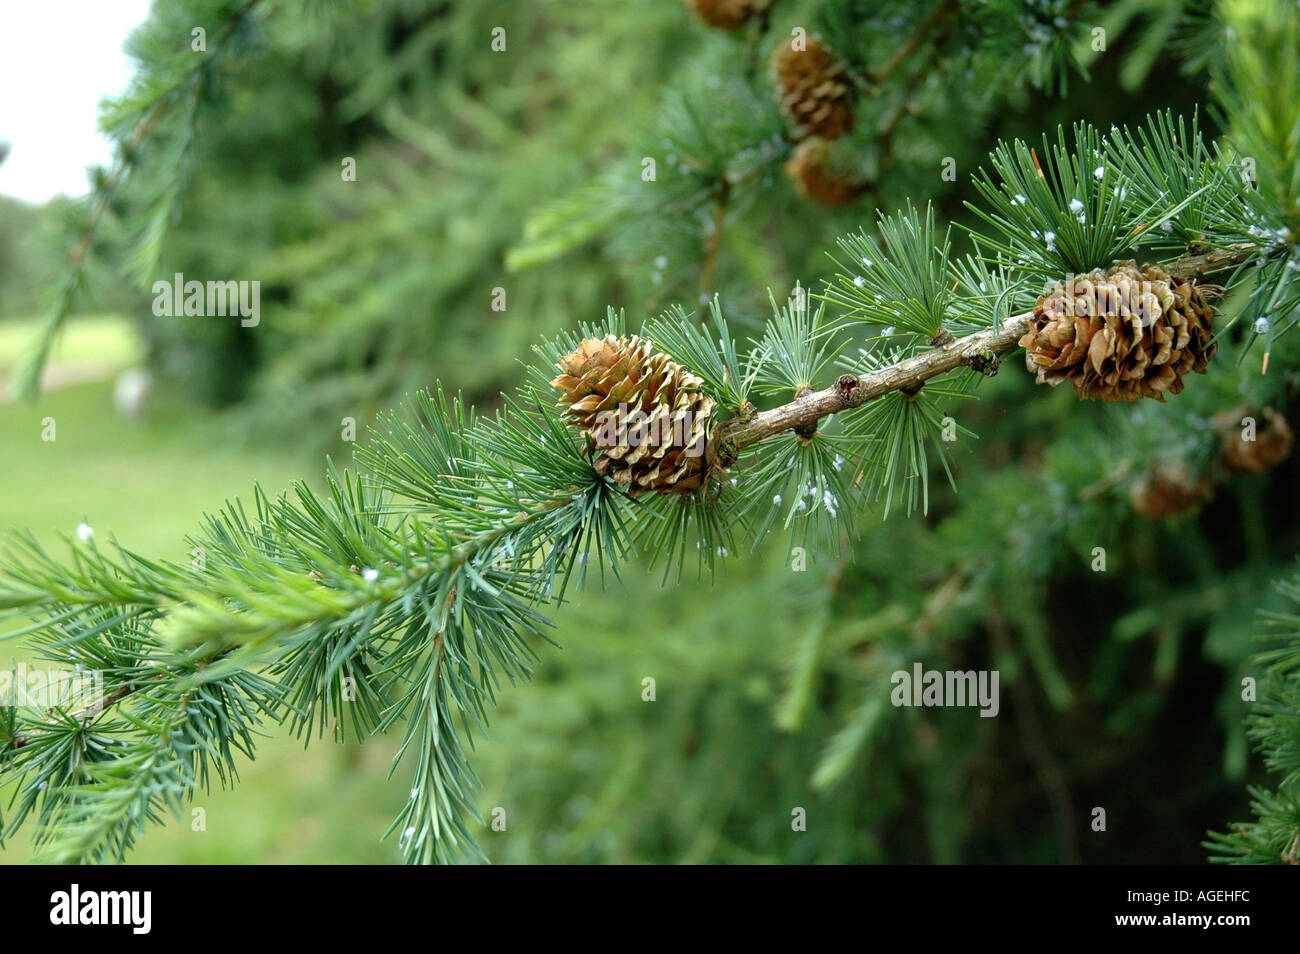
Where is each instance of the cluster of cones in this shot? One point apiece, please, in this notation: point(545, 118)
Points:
point(1251, 441)
point(1129, 332)
point(816, 96)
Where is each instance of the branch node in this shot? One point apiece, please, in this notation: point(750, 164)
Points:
point(984, 360)
point(721, 450)
point(805, 432)
point(849, 388)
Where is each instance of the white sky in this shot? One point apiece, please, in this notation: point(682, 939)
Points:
point(58, 58)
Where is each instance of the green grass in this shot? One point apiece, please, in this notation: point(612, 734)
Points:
point(106, 338)
point(147, 485)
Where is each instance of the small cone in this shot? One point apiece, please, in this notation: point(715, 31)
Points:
point(1169, 489)
point(814, 178)
point(1271, 444)
point(1121, 334)
point(645, 416)
point(727, 14)
point(812, 87)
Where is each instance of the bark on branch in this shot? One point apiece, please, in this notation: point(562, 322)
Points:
point(851, 391)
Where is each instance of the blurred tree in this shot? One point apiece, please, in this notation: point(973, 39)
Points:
point(17, 294)
point(1104, 559)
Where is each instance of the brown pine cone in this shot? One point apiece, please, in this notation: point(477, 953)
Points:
point(645, 416)
point(727, 14)
point(1121, 334)
point(1271, 445)
point(1169, 489)
point(813, 89)
point(815, 179)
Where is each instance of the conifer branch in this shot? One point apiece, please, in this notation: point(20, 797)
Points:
point(943, 11)
point(852, 391)
point(84, 717)
point(714, 242)
point(493, 517)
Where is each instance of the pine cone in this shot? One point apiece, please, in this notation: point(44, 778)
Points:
point(1272, 443)
point(645, 416)
point(1122, 334)
point(813, 89)
point(727, 14)
point(815, 179)
point(1169, 489)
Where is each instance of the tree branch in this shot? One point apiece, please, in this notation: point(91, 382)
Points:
point(27, 382)
point(941, 12)
point(84, 716)
point(714, 242)
point(851, 391)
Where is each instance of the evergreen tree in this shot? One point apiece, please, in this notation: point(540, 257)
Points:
point(412, 589)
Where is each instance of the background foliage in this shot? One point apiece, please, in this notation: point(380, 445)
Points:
point(523, 171)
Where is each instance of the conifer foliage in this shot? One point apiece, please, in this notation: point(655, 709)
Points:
point(420, 584)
